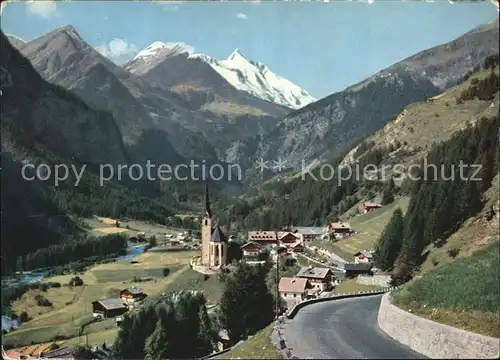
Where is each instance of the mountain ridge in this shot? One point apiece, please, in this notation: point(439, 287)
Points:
point(245, 75)
point(339, 119)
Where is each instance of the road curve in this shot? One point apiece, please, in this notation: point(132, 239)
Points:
point(342, 329)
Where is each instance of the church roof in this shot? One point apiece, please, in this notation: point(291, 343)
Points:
point(218, 235)
point(208, 211)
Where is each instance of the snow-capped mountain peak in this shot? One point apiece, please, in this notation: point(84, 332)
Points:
point(236, 56)
point(245, 75)
point(159, 47)
point(258, 80)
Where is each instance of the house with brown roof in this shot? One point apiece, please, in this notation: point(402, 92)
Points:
point(364, 256)
point(340, 229)
point(319, 278)
point(263, 237)
point(369, 206)
point(309, 233)
point(251, 249)
point(132, 295)
point(293, 289)
point(287, 237)
point(298, 247)
point(352, 270)
point(109, 307)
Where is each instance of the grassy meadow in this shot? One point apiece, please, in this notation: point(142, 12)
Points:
point(258, 346)
point(99, 226)
point(368, 226)
point(352, 286)
point(71, 307)
point(464, 293)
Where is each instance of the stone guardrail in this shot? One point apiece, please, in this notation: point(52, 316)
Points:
point(432, 339)
point(290, 314)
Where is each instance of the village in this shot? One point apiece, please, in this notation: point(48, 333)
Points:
point(320, 273)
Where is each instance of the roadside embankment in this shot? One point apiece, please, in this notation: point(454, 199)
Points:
point(432, 339)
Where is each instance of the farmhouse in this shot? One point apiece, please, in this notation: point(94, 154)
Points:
point(287, 238)
point(309, 233)
point(297, 247)
point(132, 294)
point(364, 256)
point(368, 206)
point(352, 270)
point(293, 290)
point(319, 278)
point(263, 237)
point(251, 248)
point(340, 229)
point(109, 308)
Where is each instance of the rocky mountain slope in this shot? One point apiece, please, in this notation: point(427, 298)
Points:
point(45, 124)
point(310, 198)
point(17, 42)
point(64, 58)
point(190, 119)
point(325, 128)
point(249, 76)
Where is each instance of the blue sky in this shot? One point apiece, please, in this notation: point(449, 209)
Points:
point(322, 47)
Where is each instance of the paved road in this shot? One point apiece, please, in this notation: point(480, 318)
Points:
point(342, 329)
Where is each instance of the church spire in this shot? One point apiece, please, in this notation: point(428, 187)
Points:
point(208, 212)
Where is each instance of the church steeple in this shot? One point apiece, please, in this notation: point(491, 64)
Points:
point(208, 212)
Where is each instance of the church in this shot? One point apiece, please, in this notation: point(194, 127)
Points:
point(214, 244)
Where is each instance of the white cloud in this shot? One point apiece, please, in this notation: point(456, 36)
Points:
point(168, 5)
point(242, 16)
point(118, 50)
point(44, 9)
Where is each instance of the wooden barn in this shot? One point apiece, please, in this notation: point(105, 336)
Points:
point(109, 308)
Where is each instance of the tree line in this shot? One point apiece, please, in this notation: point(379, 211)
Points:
point(72, 251)
point(440, 205)
point(309, 202)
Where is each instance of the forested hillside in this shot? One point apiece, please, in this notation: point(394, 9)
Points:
point(310, 199)
point(45, 124)
point(440, 204)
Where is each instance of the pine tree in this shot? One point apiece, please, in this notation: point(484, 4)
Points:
point(388, 192)
point(390, 242)
point(246, 305)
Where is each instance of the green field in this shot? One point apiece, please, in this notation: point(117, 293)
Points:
point(351, 286)
point(258, 346)
point(464, 293)
point(368, 226)
point(71, 306)
point(132, 226)
point(192, 280)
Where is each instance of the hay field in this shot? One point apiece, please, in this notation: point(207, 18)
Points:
point(111, 230)
point(72, 306)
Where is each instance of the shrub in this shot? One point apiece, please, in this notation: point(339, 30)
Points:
point(453, 252)
point(23, 317)
point(76, 281)
point(43, 287)
point(166, 271)
point(42, 301)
